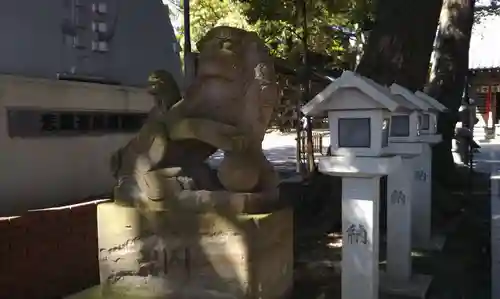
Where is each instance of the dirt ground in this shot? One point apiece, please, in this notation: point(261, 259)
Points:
point(460, 271)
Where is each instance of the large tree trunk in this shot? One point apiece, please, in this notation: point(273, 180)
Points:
point(448, 77)
point(400, 44)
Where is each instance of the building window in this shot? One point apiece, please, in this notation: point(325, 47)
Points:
point(400, 126)
point(100, 46)
point(77, 42)
point(354, 132)
point(66, 121)
point(83, 122)
point(100, 8)
point(99, 27)
point(50, 121)
point(98, 122)
point(43, 123)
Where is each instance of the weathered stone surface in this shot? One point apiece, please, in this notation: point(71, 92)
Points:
point(177, 225)
point(236, 88)
point(218, 201)
point(228, 106)
point(245, 256)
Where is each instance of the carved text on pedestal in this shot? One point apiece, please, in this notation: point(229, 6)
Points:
point(420, 175)
point(357, 234)
point(398, 197)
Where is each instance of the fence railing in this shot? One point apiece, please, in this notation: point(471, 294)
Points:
point(317, 142)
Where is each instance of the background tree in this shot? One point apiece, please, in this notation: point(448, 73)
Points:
point(448, 77)
point(485, 8)
point(331, 28)
point(399, 49)
point(207, 14)
point(401, 42)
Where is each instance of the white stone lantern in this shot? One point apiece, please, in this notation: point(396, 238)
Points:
point(359, 115)
point(398, 278)
point(422, 236)
point(426, 114)
point(432, 115)
point(405, 125)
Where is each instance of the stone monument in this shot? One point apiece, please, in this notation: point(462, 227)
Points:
point(359, 112)
point(422, 235)
point(179, 229)
point(399, 277)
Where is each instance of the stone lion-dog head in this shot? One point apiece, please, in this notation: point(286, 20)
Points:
point(235, 82)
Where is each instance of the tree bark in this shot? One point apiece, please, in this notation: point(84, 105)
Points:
point(400, 45)
point(448, 77)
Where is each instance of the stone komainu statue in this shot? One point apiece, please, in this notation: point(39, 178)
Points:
point(228, 106)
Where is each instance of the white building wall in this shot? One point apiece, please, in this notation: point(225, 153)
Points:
point(44, 171)
point(484, 43)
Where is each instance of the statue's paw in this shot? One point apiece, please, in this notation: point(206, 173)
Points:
point(127, 191)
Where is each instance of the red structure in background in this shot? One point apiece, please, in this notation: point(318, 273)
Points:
point(49, 254)
point(487, 105)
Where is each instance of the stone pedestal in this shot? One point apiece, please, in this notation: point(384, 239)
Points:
point(422, 236)
point(360, 250)
point(360, 219)
point(398, 278)
point(194, 255)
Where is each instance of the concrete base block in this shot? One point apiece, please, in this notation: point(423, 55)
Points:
point(181, 254)
point(416, 287)
point(436, 243)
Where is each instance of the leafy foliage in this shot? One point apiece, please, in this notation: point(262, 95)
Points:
point(486, 9)
point(206, 14)
point(331, 26)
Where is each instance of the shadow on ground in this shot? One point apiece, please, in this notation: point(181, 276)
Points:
point(461, 270)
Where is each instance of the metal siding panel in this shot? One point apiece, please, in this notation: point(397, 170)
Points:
point(37, 47)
